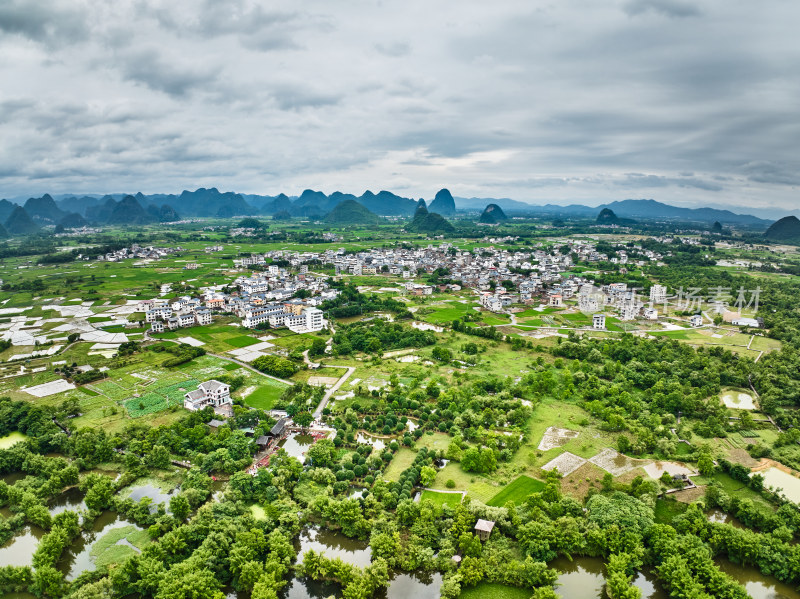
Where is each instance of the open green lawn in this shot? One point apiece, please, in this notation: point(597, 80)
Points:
point(401, 461)
point(451, 499)
point(265, 395)
point(667, 509)
point(517, 491)
point(452, 310)
point(241, 341)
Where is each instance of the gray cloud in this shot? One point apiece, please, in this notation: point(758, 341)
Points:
point(669, 8)
point(393, 49)
point(148, 67)
point(562, 102)
point(638, 180)
point(46, 21)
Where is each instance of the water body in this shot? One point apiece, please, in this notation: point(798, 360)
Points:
point(775, 478)
point(356, 492)
point(296, 445)
point(71, 499)
point(584, 578)
point(77, 557)
point(757, 585)
point(402, 586)
point(719, 517)
point(11, 439)
point(20, 549)
point(333, 545)
point(10, 479)
point(150, 490)
point(417, 585)
point(377, 444)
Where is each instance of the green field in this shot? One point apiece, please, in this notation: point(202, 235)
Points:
point(517, 491)
point(266, 394)
point(439, 499)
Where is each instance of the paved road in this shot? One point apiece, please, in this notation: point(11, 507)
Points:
point(332, 390)
point(246, 365)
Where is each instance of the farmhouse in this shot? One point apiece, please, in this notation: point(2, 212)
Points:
point(210, 393)
point(483, 528)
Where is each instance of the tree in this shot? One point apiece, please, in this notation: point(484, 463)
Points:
point(322, 453)
point(179, 506)
point(317, 347)
point(303, 419)
point(275, 366)
point(426, 475)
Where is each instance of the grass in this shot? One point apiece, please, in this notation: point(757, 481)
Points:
point(667, 509)
point(265, 395)
point(242, 341)
point(517, 491)
point(491, 590)
point(440, 499)
point(401, 461)
point(734, 488)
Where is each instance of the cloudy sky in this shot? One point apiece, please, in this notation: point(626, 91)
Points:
point(688, 102)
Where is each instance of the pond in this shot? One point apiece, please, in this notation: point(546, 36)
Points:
point(149, 489)
point(584, 578)
point(417, 585)
point(401, 586)
point(377, 444)
point(717, 516)
point(11, 439)
point(19, 550)
point(71, 499)
point(356, 492)
point(10, 479)
point(775, 478)
point(757, 585)
point(78, 558)
point(333, 545)
point(424, 326)
point(296, 445)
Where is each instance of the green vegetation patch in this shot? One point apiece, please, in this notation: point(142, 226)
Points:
point(115, 546)
point(667, 509)
point(265, 396)
point(242, 341)
point(439, 499)
point(517, 491)
point(491, 590)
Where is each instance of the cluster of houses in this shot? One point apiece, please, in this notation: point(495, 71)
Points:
point(163, 314)
point(140, 252)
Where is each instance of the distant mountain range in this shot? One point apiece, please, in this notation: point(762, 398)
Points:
point(630, 209)
point(71, 210)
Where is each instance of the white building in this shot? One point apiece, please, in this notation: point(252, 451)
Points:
point(203, 316)
point(696, 320)
point(658, 294)
point(210, 393)
point(309, 321)
point(599, 321)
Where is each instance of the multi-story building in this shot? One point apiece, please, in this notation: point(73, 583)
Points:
point(210, 393)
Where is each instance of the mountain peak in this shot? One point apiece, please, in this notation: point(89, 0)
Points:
point(443, 203)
